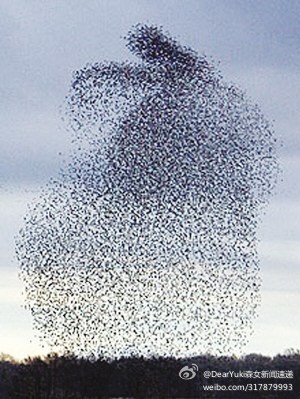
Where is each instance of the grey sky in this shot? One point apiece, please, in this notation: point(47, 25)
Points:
point(43, 42)
point(257, 44)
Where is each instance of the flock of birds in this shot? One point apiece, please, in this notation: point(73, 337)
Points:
point(146, 243)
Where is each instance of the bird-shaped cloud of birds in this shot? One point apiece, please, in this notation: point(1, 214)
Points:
point(146, 242)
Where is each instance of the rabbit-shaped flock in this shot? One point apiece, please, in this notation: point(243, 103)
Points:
point(146, 243)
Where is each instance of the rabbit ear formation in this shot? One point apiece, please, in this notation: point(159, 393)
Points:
point(151, 44)
point(154, 47)
point(146, 243)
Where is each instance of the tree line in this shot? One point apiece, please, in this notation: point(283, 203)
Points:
point(69, 377)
